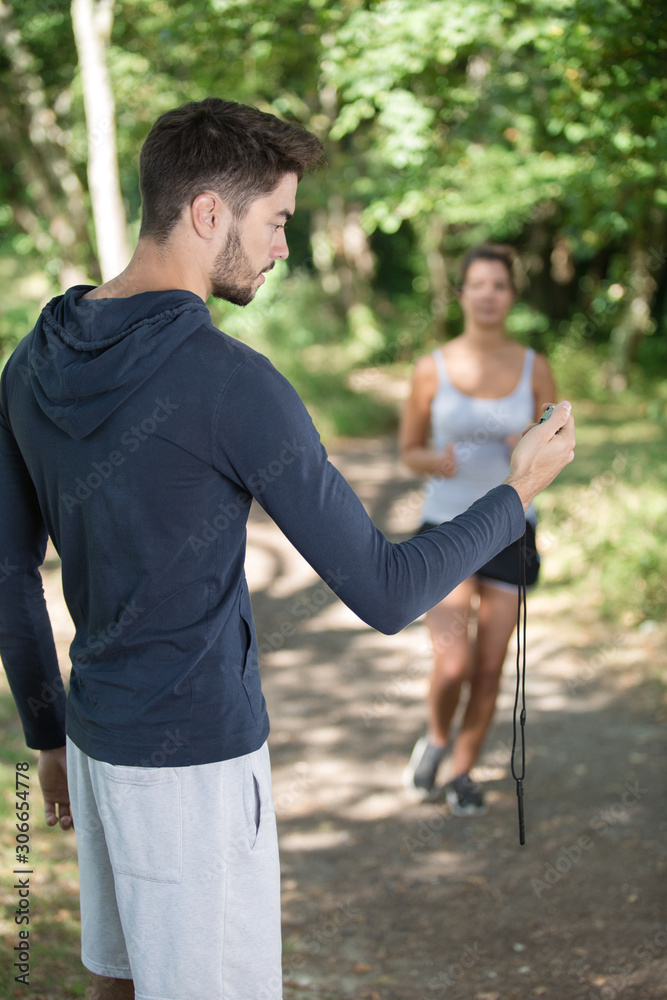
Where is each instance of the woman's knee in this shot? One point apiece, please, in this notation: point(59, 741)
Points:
point(486, 682)
point(449, 669)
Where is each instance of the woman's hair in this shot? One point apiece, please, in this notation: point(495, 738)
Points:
point(489, 251)
point(235, 150)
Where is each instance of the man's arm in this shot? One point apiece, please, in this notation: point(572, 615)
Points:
point(265, 441)
point(26, 638)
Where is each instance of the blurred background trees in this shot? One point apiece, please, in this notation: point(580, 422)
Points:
point(446, 123)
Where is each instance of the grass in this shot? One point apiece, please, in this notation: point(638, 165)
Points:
point(55, 969)
point(604, 520)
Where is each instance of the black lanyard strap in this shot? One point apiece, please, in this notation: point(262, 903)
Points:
point(520, 687)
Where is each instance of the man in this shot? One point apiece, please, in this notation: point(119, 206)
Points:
point(135, 434)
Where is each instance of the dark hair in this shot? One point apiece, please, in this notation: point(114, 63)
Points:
point(489, 251)
point(235, 150)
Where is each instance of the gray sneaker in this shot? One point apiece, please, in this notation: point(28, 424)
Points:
point(423, 766)
point(464, 797)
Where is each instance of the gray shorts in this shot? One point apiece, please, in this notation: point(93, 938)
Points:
point(179, 877)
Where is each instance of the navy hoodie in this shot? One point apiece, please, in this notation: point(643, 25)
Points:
point(135, 434)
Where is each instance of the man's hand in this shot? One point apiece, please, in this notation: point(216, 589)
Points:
point(52, 774)
point(543, 451)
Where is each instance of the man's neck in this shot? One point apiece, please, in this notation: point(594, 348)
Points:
point(152, 269)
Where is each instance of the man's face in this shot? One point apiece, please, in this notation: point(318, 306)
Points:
point(254, 244)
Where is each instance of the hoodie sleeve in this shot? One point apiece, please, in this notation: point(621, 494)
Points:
point(264, 438)
point(26, 638)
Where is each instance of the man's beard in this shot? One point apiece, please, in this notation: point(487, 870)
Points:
point(232, 278)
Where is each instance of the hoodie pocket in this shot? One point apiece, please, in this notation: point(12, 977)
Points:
point(250, 674)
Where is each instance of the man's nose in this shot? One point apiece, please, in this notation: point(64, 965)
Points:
point(279, 248)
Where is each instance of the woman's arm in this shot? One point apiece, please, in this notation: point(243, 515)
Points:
point(416, 422)
point(544, 385)
point(544, 392)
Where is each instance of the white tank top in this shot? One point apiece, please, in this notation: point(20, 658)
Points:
point(478, 428)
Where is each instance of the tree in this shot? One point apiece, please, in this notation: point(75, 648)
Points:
point(514, 122)
point(445, 122)
point(40, 184)
point(92, 22)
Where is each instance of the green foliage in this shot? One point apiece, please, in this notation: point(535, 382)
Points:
point(24, 291)
point(604, 520)
point(541, 124)
point(483, 112)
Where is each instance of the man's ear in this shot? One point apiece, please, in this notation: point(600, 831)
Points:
point(209, 215)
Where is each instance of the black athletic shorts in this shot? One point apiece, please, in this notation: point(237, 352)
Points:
point(505, 566)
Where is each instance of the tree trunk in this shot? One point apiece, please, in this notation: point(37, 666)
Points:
point(627, 336)
point(30, 130)
point(92, 29)
point(438, 281)
point(345, 263)
point(341, 249)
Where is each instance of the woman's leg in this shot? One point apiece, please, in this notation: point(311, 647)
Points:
point(496, 620)
point(448, 625)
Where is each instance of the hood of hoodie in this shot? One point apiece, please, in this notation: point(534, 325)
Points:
point(87, 356)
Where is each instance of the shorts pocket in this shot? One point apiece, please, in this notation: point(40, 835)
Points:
point(140, 810)
point(252, 806)
point(258, 812)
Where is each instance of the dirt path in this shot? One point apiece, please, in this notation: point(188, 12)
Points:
point(386, 898)
point(390, 899)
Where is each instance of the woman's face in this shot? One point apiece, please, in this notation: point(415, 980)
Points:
point(487, 294)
